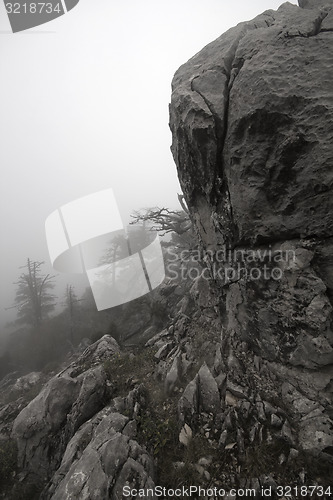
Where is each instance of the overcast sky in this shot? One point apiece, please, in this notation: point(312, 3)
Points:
point(84, 106)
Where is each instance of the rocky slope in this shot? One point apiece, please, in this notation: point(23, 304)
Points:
point(235, 390)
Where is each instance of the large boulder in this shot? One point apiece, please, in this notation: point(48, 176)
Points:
point(251, 117)
point(102, 458)
point(201, 395)
point(44, 427)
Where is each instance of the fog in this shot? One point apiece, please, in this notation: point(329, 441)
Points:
point(84, 106)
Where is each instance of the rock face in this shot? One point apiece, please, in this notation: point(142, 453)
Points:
point(44, 427)
point(252, 123)
point(251, 117)
point(313, 4)
point(76, 440)
point(102, 458)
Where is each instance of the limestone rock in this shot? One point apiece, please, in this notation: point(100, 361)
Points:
point(315, 426)
point(40, 421)
point(241, 130)
point(100, 460)
point(43, 428)
point(94, 355)
point(200, 395)
point(314, 4)
point(188, 403)
point(209, 397)
point(251, 117)
point(173, 375)
point(185, 435)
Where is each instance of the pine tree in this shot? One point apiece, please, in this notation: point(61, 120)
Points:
point(33, 299)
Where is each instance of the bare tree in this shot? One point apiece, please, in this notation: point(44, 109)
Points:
point(33, 299)
point(164, 220)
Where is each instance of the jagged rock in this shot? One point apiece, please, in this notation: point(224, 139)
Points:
point(327, 24)
point(8, 380)
point(94, 355)
point(245, 409)
point(158, 337)
point(230, 399)
point(220, 380)
point(276, 421)
point(92, 393)
point(218, 361)
point(219, 86)
point(163, 350)
point(209, 397)
point(186, 364)
point(173, 375)
point(261, 412)
point(292, 454)
point(43, 428)
point(188, 404)
point(185, 435)
point(287, 433)
point(253, 433)
point(37, 425)
point(99, 461)
point(133, 475)
point(237, 390)
point(203, 294)
point(15, 393)
point(314, 4)
point(315, 433)
point(8, 413)
point(240, 441)
point(251, 117)
point(102, 455)
point(201, 395)
point(223, 438)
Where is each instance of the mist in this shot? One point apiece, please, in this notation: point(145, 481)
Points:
point(84, 106)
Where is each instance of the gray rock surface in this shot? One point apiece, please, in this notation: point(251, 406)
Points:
point(201, 395)
point(43, 428)
point(101, 459)
point(248, 159)
point(314, 4)
point(251, 117)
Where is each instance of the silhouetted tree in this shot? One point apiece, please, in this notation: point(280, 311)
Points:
point(164, 220)
point(33, 299)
